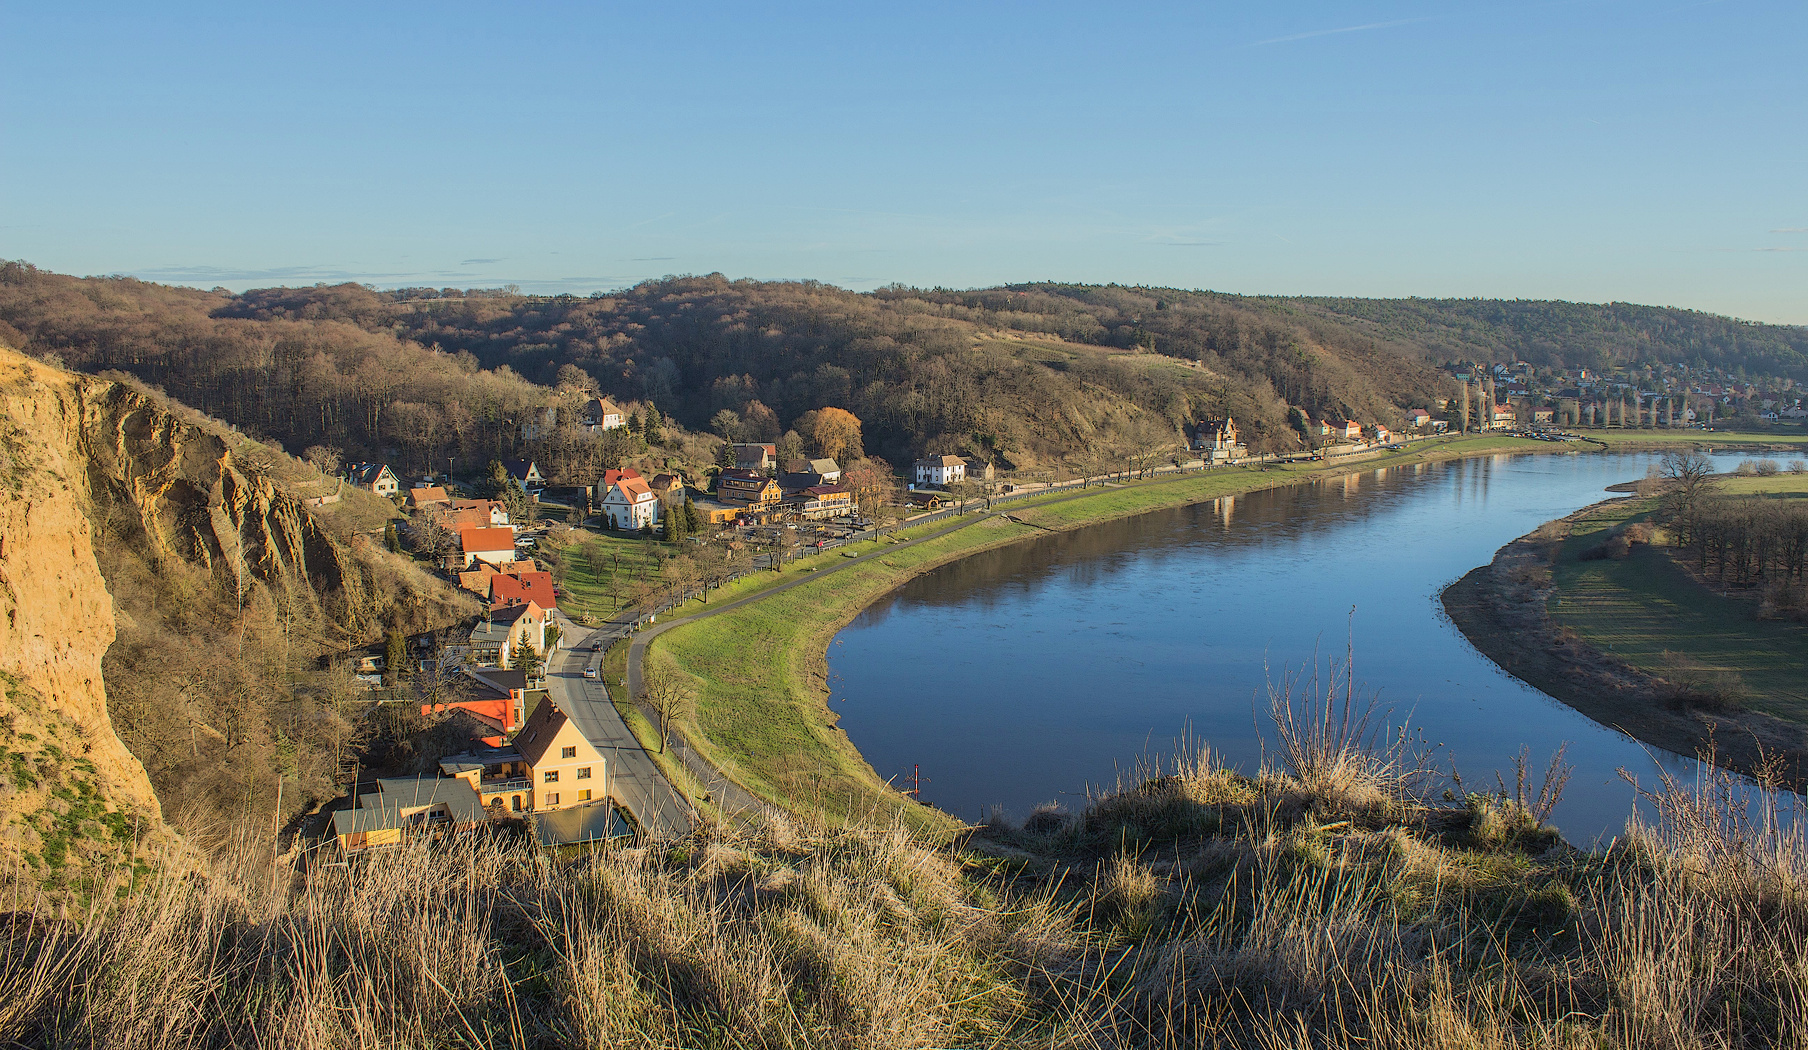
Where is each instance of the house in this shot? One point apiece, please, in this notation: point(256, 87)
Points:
point(565, 768)
point(1503, 416)
point(495, 697)
point(478, 512)
point(981, 469)
point(1382, 434)
point(824, 501)
point(612, 476)
point(507, 588)
point(755, 456)
point(668, 487)
point(827, 469)
point(430, 496)
point(747, 488)
point(1417, 418)
point(1217, 439)
point(525, 472)
point(630, 504)
point(500, 636)
point(925, 498)
point(1343, 429)
point(794, 482)
point(941, 470)
point(377, 478)
point(493, 545)
point(716, 513)
point(600, 413)
point(406, 808)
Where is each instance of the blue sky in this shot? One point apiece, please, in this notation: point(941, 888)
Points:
point(1654, 153)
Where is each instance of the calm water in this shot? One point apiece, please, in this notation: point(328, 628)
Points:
point(1033, 673)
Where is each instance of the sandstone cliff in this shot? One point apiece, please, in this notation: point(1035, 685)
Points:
point(71, 791)
point(164, 592)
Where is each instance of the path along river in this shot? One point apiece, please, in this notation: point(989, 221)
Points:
point(1039, 671)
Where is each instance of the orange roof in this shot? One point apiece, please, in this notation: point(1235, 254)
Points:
point(533, 587)
point(635, 488)
point(486, 539)
point(429, 494)
point(610, 477)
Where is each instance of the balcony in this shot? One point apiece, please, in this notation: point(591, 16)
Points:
point(489, 785)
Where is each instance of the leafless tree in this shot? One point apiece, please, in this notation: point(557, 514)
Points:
point(666, 692)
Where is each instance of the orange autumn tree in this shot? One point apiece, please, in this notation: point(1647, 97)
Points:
point(836, 432)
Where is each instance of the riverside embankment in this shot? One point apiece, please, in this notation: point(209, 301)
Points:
point(758, 673)
point(1636, 642)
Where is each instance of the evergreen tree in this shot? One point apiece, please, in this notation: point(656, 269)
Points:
point(670, 531)
point(693, 518)
point(391, 539)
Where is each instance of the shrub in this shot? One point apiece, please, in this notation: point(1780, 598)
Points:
point(1768, 467)
point(1798, 466)
point(1748, 466)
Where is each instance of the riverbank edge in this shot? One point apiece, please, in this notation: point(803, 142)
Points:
point(808, 657)
point(1502, 608)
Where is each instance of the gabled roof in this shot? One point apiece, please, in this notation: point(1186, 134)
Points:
point(824, 466)
point(663, 482)
point(526, 586)
point(428, 494)
point(634, 490)
point(368, 473)
point(941, 461)
point(610, 477)
point(518, 468)
point(536, 735)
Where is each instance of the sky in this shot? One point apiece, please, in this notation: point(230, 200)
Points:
point(1595, 150)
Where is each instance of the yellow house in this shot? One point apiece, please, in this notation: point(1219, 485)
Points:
point(564, 770)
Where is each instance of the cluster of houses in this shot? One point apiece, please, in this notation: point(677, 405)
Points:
point(1523, 395)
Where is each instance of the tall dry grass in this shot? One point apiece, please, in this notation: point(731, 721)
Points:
point(1194, 906)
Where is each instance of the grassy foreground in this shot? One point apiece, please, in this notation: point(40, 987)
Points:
point(1317, 905)
point(1646, 610)
point(757, 675)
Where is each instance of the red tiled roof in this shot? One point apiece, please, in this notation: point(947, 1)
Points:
point(610, 477)
point(526, 586)
point(486, 540)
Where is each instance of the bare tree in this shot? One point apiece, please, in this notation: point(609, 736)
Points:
point(667, 692)
point(1688, 473)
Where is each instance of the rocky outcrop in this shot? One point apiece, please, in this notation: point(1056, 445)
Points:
point(72, 795)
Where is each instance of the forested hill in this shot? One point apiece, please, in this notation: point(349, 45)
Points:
point(1026, 374)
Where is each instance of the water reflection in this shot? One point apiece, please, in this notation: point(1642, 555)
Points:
point(1037, 671)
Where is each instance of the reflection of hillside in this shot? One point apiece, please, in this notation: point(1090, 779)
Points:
point(1099, 553)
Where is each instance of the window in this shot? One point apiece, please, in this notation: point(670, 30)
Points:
point(584, 773)
point(568, 752)
point(552, 776)
point(552, 799)
point(584, 795)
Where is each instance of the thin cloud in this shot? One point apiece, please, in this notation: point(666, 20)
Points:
point(479, 262)
point(1188, 244)
point(1791, 229)
point(1336, 32)
point(1780, 249)
point(653, 258)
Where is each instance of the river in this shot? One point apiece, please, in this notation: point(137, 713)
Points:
point(1042, 671)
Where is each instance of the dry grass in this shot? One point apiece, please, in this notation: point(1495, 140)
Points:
point(1194, 907)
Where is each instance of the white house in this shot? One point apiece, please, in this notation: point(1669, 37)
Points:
point(828, 469)
point(941, 470)
point(377, 478)
point(600, 413)
point(630, 503)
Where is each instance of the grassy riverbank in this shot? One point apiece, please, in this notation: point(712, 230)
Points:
point(1648, 610)
point(1639, 440)
point(758, 673)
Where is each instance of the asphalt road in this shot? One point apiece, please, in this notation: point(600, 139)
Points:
point(634, 780)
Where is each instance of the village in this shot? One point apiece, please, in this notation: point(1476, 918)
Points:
point(510, 686)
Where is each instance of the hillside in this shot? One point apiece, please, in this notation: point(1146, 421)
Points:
point(1028, 375)
point(167, 590)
